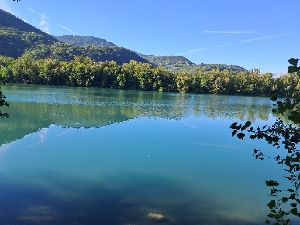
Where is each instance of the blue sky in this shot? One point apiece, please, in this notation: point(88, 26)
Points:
point(254, 34)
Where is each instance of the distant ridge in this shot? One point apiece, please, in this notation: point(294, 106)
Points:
point(165, 61)
point(67, 52)
point(169, 62)
point(84, 40)
point(172, 63)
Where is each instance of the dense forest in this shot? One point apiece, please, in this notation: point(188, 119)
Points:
point(85, 72)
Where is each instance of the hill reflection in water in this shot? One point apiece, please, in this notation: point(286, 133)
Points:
point(35, 107)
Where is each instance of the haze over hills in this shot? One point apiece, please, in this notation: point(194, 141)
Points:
point(18, 37)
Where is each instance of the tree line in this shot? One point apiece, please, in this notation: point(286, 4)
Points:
point(84, 72)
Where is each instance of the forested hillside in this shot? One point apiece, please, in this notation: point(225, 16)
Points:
point(16, 35)
point(172, 63)
point(14, 43)
point(84, 40)
point(18, 38)
point(8, 20)
point(67, 52)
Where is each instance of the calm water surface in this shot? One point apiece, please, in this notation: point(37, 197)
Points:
point(97, 156)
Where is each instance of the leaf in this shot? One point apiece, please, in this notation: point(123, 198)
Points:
point(274, 98)
point(293, 61)
point(292, 69)
point(272, 204)
point(284, 199)
point(294, 211)
point(247, 124)
point(272, 183)
point(234, 132)
point(240, 135)
point(233, 126)
point(253, 136)
point(293, 196)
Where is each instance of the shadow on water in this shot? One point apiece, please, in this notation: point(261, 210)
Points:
point(72, 200)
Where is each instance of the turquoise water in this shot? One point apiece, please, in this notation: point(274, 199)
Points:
point(98, 156)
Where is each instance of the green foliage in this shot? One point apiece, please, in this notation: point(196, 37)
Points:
point(294, 65)
point(3, 72)
point(285, 202)
point(57, 65)
point(184, 82)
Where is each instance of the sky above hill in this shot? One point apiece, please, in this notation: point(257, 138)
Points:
point(252, 33)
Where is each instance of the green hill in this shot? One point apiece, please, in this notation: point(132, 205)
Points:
point(16, 36)
point(84, 40)
point(172, 63)
point(209, 67)
point(8, 20)
point(169, 62)
point(13, 43)
point(67, 52)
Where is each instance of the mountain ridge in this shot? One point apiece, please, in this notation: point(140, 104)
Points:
point(10, 21)
point(83, 41)
point(18, 37)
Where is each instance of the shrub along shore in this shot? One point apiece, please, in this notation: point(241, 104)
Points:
point(84, 72)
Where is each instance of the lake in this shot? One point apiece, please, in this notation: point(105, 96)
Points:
point(97, 156)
